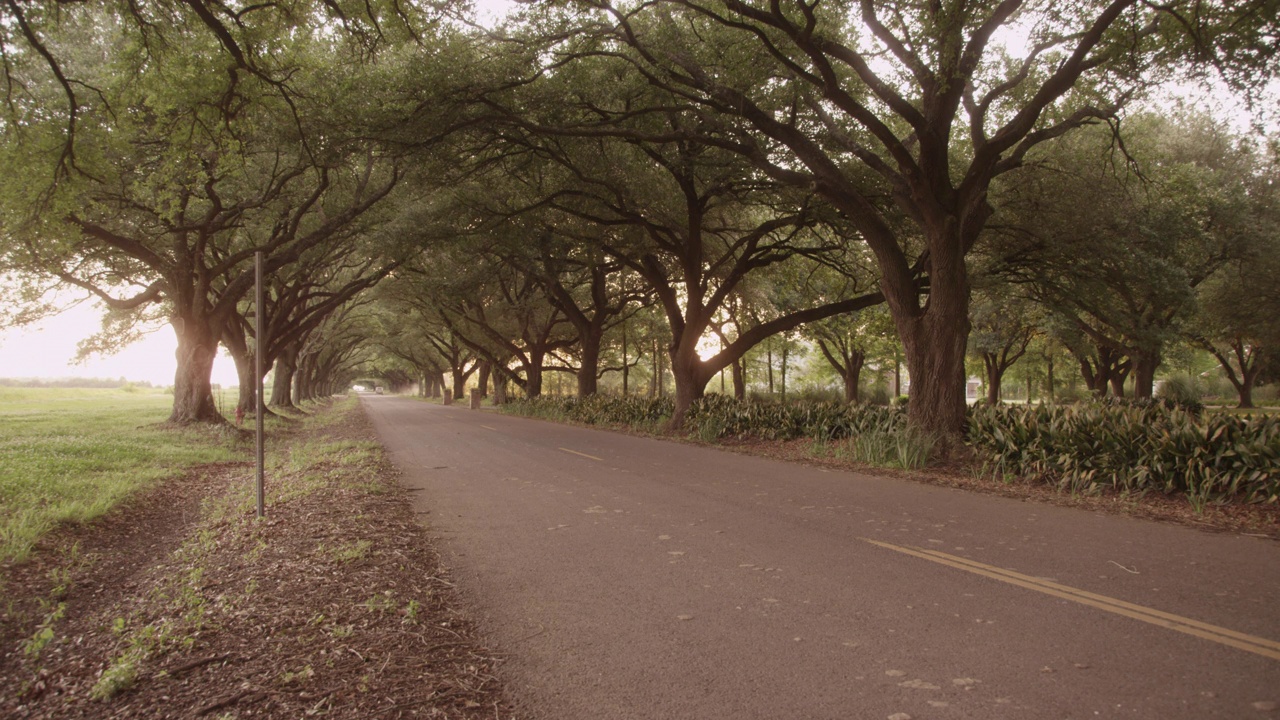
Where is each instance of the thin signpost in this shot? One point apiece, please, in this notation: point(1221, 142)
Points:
point(260, 345)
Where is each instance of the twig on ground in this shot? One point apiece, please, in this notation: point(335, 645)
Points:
point(192, 665)
point(250, 695)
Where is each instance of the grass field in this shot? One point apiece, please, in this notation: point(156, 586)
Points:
point(71, 454)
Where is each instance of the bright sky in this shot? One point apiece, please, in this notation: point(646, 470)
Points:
point(48, 351)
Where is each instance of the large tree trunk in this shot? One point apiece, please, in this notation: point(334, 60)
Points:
point(1144, 374)
point(192, 389)
point(1245, 390)
point(688, 389)
point(589, 372)
point(482, 380)
point(306, 383)
point(1119, 373)
point(1117, 378)
point(533, 375)
point(935, 350)
point(995, 376)
point(1093, 381)
point(935, 339)
point(234, 341)
point(499, 385)
point(691, 381)
point(739, 379)
point(459, 383)
point(282, 385)
point(303, 377)
point(852, 374)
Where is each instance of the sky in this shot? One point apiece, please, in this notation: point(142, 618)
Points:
point(48, 350)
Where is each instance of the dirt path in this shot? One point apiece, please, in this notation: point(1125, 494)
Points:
point(634, 578)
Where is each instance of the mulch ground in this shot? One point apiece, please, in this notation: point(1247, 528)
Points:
point(180, 604)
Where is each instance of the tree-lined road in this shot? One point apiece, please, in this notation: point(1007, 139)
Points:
point(632, 578)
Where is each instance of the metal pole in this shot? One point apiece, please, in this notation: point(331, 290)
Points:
point(260, 344)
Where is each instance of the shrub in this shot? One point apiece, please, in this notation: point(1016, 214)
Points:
point(777, 421)
point(1183, 391)
point(595, 409)
point(1133, 448)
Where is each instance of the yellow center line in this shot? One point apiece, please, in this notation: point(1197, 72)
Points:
point(486, 427)
point(1241, 641)
point(575, 452)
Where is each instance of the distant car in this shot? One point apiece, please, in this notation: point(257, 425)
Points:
point(378, 389)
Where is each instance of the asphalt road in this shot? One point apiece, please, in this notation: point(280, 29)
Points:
point(636, 578)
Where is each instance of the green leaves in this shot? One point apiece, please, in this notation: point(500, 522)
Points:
point(717, 416)
point(1135, 448)
point(595, 409)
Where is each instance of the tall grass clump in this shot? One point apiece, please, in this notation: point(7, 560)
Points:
point(1134, 448)
point(903, 448)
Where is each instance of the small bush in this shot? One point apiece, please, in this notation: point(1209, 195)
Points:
point(1182, 391)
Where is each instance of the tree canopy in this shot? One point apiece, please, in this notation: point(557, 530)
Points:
point(739, 169)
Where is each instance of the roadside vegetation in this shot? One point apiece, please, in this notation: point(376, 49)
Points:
point(176, 601)
point(1129, 449)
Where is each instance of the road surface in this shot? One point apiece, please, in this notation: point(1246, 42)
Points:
point(626, 577)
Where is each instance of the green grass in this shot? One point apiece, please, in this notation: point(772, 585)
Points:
point(71, 454)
